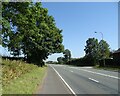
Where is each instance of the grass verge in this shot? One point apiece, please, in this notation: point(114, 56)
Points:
point(108, 68)
point(26, 83)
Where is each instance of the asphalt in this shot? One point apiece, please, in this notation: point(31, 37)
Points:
point(79, 79)
point(53, 84)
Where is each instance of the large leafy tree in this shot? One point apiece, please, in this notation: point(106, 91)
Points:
point(91, 48)
point(96, 50)
point(28, 28)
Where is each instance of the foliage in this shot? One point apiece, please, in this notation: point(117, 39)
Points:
point(109, 68)
point(96, 50)
point(60, 60)
point(84, 61)
point(28, 29)
point(67, 55)
point(91, 48)
point(104, 50)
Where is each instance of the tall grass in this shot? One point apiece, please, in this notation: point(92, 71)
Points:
point(14, 69)
point(19, 77)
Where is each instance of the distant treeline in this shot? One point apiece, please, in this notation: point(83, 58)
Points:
point(52, 62)
point(92, 62)
point(85, 61)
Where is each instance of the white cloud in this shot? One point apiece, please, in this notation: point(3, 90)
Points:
point(54, 57)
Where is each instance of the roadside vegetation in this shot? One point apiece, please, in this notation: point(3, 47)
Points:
point(19, 77)
point(113, 68)
point(97, 54)
point(94, 51)
point(32, 32)
point(27, 30)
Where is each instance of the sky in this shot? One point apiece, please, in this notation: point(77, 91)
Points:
point(80, 20)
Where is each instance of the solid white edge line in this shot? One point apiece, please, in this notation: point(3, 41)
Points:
point(94, 80)
point(64, 81)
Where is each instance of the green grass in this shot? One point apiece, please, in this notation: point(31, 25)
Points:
point(14, 69)
point(27, 82)
point(112, 68)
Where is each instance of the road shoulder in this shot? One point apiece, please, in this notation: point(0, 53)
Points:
point(52, 84)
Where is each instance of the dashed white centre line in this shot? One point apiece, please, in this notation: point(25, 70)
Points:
point(94, 80)
point(102, 74)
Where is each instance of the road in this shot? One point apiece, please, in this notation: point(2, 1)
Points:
point(87, 80)
point(52, 84)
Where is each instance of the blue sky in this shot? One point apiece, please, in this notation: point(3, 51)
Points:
point(79, 21)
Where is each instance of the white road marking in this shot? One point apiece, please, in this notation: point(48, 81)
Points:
point(94, 80)
point(99, 73)
point(64, 81)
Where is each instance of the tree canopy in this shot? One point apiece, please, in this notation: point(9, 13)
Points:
point(60, 60)
point(67, 55)
point(28, 29)
point(96, 50)
point(91, 48)
point(104, 50)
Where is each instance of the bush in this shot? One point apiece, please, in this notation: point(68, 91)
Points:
point(108, 63)
point(101, 63)
point(117, 62)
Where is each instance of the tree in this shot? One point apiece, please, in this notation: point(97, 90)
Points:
point(67, 55)
point(31, 31)
point(91, 47)
point(104, 50)
point(91, 50)
point(60, 60)
point(96, 50)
